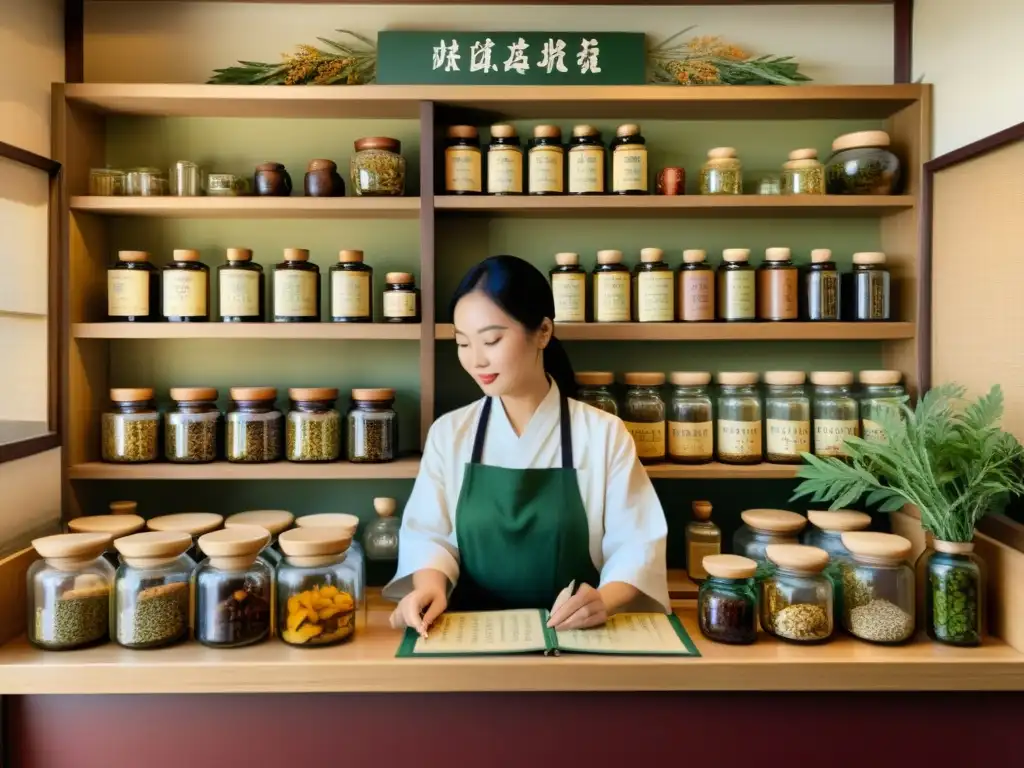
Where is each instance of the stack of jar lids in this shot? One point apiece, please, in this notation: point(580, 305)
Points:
point(192, 523)
point(729, 566)
point(276, 521)
point(115, 526)
point(234, 548)
point(839, 520)
point(880, 547)
point(774, 520)
point(330, 520)
point(153, 548)
point(797, 557)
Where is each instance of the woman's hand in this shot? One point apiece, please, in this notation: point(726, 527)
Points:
point(584, 609)
point(420, 608)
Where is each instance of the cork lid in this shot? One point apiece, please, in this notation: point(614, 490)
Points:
point(701, 510)
point(694, 256)
point(585, 130)
point(567, 259)
point(142, 550)
point(274, 520)
point(729, 566)
point(114, 525)
point(821, 255)
point(378, 142)
point(690, 378)
point(296, 254)
point(123, 507)
point(253, 393)
point(131, 395)
point(778, 254)
point(132, 256)
point(832, 378)
point(373, 394)
point(798, 557)
point(192, 523)
point(953, 547)
point(869, 257)
point(314, 542)
point(890, 378)
point(350, 257)
point(609, 257)
point(234, 548)
point(785, 378)
point(503, 131)
point(734, 255)
point(880, 546)
point(649, 255)
point(595, 378)
point(803, 154)
point(737, 378)
point(461, 132)
point(186, 254)
point(329, 520)
point(313, 393)
point(80, 547)
point(721, 153)
point(398, 278)
point(190, 394)
point(774, 520)
point(547, 132)
point(385, 506)
point(239, 254)
point(839, 520)
point(644, 379)
point(627, 129)
point(861, 139)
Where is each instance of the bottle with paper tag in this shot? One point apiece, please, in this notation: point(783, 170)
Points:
point(351, 289)
point(629, 161)
point(401, 299)
point(739, 418)
point(186, 288)
point(703, 538)
point(569, 286)
point(240, 287)
point(611, 288)
point(691, 433)
point(296, 288)
point(653, 288)
point(787, 417)
point(835, 411)
point(133, 289)
point(880, 391)
point(643, 413)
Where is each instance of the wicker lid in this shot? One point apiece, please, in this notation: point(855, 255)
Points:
point(378, 142)
point(234, 548)
point(253, 393)
point(839, 519)
point(239, 254)
point(869, 257)
point(274, 520)
point(595, 378)
point(774, 520)
point(567, 259)
point(350, 257)
point(585, 130)
point(734, 255)
point(313, 393)
point(193, 393)
point(785, 378)
point(115, 525)
point(72, 546)
point(610, 256)
point(821, 255)
point(123, 507)
point(186, 254)
point(694, 256)
point(721, 153)
point(503, 131)
point(832, 378)
point(314, 542)
point(803, 154)
point(778, 254)
point(729, 566)
point(737, 378)
point(462, 132)
point(649, 255)
point(690, 378)
point(890, 378)
point(385, 506)
point(798, 557)
point(701, 510)
point(644, 379)
point(627, 129)
point(373, 394)
point(131, 395)
point(399, 278)
point(132, 256)
point(192, 523)
point(329, 520)
point(547, 132)
point(153, 547)
point(881, 546)
point(296, 254)
point(861, 139)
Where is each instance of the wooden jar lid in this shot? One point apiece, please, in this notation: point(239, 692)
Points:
point(803, 154)
point(185, 254)
point(736, 255)
point(860, 139)
point(737, 378)
point(72, 546)
point(694, 256)
point(609, 256)
point(785, 378)
point(274, 520)
point(839, 519)
point(329, 520)
point(798, 557)
point(832, 378)
point(702, 510)
point(690, 378)
point(953, 547)
point(153, 547)
point(729, 566)
point(132, 256)
point(313, 393)
point(399, 278)
point(721, 153)
point(869, 257)
point(644, 379)
point(114, 525)
point(131, 394)
point(234, 548)
point(190, 394)
point(567, 259)
point(385, 506)
point(778, 254)
point(386, 143)
point(239, 254)
point(253, 393)
point(547, 132)
point(461, 132)
point(296, 254)
point(881, 546)
point(650, 255)
point(821, 255)
point(350, 256)
point(595, 378)
point(585, 130)
point(774, 520)
point(373, 394)
point(890, 378)
point(192, 523)
point(628, 129)
point(314, 542)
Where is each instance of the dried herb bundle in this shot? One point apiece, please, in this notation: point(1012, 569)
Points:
point(344, 64)
point(711, 61)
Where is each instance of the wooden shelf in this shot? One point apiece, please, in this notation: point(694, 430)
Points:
point(238, 331)
point(251, 207)
point(716, 471)
point(403, 469)
point(720, 331)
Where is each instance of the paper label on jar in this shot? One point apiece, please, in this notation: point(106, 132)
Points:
point(570, 290)
point(184, 293)
point(127, 293)
point(611, 297)
point(239, 293)
point(830, 434)
point(739, 439)
point(586, 170)
point(350, 294)
point(654, 297)
point(738, 303)
point(629, 168)
point(696, 551)
point(399, 304)
point(294, 293)
point(649, 438)
point(777, 294)
point(462, 169)
point(691, 440)
point(546, 169)
point(788, 438)
point(873, 432)
point(504, 171)
point(697, 296)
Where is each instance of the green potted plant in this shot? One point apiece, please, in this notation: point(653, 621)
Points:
point(949, 459)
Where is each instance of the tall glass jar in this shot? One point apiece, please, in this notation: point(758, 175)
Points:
point(346, 525)
point(463, 173)
point(653, 289)
point(115, 526)
point(691, 432)
point(821, 287)
point(371, 426)
point(787, 417)
point(273, 521)
point(955, 594)
point(192, 426)
point(313, 431)
point(69, 591)
point(722, 174)
point(803, 174)
point(586, 161)
point(377, 167)
point(826, 532)
point(727, 600)
point(186, 288)
point(763, 527)
point(778, 282)
point(611, 288)
point(546, 161)
point(351, 289)
point(629, 161)
point(861, 164)
point(595, 390)
point(234, 588)
point(737, 291)
point(133, 289)
point(151, 590)
point(129, 428)
point(696, 298)
point(871, 287)
point(195, 524)
point(881, 391)
point(380, 538)
point(253, 431)
point(401, 299)
point(643, 413)
point(504, 161)
point(796, 597)
point(835, 412)
point(569, 288)
point(241, 287)
point(739, 418)
point(878, 592)
point(296, 288)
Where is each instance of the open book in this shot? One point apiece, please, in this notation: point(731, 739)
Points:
point(525, 631)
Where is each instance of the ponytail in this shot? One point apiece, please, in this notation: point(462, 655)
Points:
point(558, 366)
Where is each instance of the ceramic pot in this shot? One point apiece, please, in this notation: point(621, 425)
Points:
point(272, 180)
point(323, 180)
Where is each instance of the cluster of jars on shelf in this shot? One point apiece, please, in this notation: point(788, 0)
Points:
point(777, 291)
point(252, 430)
point(377, 168)
point(180, 292)
point(199, 575)
point(741, 424)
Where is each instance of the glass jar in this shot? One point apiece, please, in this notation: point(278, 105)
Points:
point(355, 558)
point(273, 521)
point(241, 287)
point(764, 527)
point(129, 429)
point(653, 289)
point(595, 390)
point(878, 588)
point(186, 288)
point(372, 426)
point(629, 161)
point(611, 288)
point(226, 185)
point(114, 526)
point(186, 179)
point(821, 286)
point(546, 161)
point(69, 591)
point(955, 594)
point(195, 524)
point(192, 427)
point(835, 412)
point(703, 540)
point(696, 298)
point(351, 289)
point(377, 168)
point(803, 174)
point(722, 174)
point(769, 184)
point(462, 161)
point(145, 182)
point(881, 392)
point(569, 287)
point(736, 287)
point(504, 161)
point(871, 287)
point(643, 413)
point(233, 588)
point(401, 299)
point(727, 600)
point(827, 529)
point(739, 418)
point(313, 431)
point(787, 417)
point(796, 597)
point(861, 164)
point(151, 590)
point(381, 535)
point(106, 182)
point(296, 288)
point(778, 290)
point(691, 433)
point(133, 289)
point(252, 426)
point(586, 161)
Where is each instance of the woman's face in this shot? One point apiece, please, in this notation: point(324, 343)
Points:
point(496, 349)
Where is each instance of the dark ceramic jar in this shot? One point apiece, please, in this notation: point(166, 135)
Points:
point(323, 180)
point(272, 180)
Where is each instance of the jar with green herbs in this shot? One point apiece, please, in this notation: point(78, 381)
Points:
point(835, 412)
point(878, 588)
point(186, 288)
point(727, 600)
point(691, 431)
point(643, 413)
point(595, 390)
point(253, 431)
point(862, 164)
point(762, 527)
point(313, 431)
point(880, 392)
point(803, 173)
point(192, 426)
point(787, 417)
point(151, 590)
point(133, 289)
point(955, 594)
point(371, 426)
point(722, 174)
point(826, 532)
point(737, 287)
point(796, 596)
point(129, 429)
point(296, 288)
point(241, 284)
point(377, 168)
point(738, 434)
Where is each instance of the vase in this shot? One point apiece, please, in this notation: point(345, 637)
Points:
point(954, 594)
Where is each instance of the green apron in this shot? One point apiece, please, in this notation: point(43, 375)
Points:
point(522, 533)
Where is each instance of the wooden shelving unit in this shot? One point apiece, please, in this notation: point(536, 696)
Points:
point(251, 331)
point(719, 331)
point(251, 207)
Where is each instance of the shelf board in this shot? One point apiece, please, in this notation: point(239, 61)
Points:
point(307, 331)
point(720, 331)
point(403, 469)
point(251, 207)
point(716, 471)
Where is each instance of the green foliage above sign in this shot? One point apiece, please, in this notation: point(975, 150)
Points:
point(510, 58)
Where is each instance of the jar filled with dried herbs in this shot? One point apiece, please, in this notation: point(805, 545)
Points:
point(594, 388)
point(835, 412)
point(186, 288)
point(151, 590)
point(880, 391)
point(129, 429)
point(546, 161)
point(722, 174)
point(273, 521)
point(296, 288)
point(787, 417)
point(233, 588)
point(826, 532)
point(372, 426)
point(691, 433)
point(878, 606)
point(241, 284)
point(954, 594)
point(351, 289)
point(253, 426)
point(586, 161)
point(861, 164)
point(803, 174)
point(696, 299)
point(739, 418)
point(653, 288)
point(821, 286)
point(401, 299)
point(377, 168)
point(355, 558)
point(463, 173)
point(629, 161)
point(643, 413)
point(762, 527)
point(313, 431)
point(569, 287)
point(133, 289)
point(737, 290)
point(611, 288)
point(106, 182)
point(871, 287)
point(796, 597)
point(504, 161)
point(192, 426)
point(727, 600)
point(195, 524)
point(778, 282)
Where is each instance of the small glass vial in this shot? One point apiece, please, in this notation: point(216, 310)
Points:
point(653, 288)
point(611, 288)
point(878, 594)
point(727, 600)
point(192, 426)
point(769, 184)
point(152, 597)
point(569, 286)
point(586, 161)
point(722, 174)
point(762, 527)
point(796, 597)
point(547, 161)
point(401, 299)
point(778, 282)
point(355, 558)
point(133, 289)
point(739, 418)
point(233, 588)
point(463, 173)
point(881, 392)
point(253, 431)
point(241, 287)
point(129, 429)
point(273, 521)
point(371, 426)
point(954, 594)
point(696, 298)
point(803, 174)
point(380, 539)
point(643, 413)
point(629, 161)
point(114, 526)
point(703, 539)
point(871, 287)
point(69, 591)
point(835, 412)
point(821, 287)
point(186, 288)
point(691, 432)
point(736, 287)
point(351, 289)
point(296, 288)
point(595, 390)
point(504, 161)
point(195, 524)
point(787, 417)
point(313, 427)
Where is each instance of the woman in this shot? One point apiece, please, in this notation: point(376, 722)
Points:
point(526, 491)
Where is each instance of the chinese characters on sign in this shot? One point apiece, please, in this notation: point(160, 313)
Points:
point(552, 56)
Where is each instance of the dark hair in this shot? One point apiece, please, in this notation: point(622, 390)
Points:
point(522, 291)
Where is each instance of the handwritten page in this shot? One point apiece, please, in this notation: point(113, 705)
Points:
point(626, 633)
point(485, 632)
